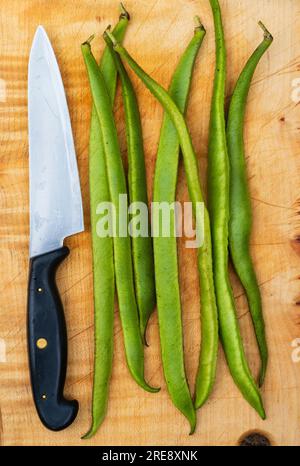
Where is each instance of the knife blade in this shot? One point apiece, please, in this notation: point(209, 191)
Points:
point(55, 213)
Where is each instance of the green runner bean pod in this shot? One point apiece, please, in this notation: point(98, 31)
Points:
point(165, 248)
point(122, 246)
point(142, 248)
point(218, 190)
point(240, 224)
point(102, 249)
point(208, 301)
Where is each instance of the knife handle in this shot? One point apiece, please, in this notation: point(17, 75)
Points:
point(47, 342)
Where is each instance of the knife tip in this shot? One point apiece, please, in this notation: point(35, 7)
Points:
point(40, 37)
point(40, 30)
point(40, 34)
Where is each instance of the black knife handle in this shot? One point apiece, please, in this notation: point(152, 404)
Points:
point(47, 342)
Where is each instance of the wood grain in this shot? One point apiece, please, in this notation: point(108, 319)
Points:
point(157, 36)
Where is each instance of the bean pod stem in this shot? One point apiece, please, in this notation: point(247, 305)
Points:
point(240, 224)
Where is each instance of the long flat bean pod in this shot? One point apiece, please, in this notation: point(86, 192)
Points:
point(134, 348)
point(102, 249)
point(218, 190)
point(208, 300)
point(240, 224)
point(165, 248)
point(142, 248)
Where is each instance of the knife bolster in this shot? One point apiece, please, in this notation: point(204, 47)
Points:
point(47, 342)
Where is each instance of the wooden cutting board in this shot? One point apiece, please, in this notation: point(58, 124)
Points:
point(158, 34)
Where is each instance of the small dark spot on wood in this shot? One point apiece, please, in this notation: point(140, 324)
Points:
point(254, 439)
point(295, 243)
point(98, 18)
point(298, 303)
point(282, 119)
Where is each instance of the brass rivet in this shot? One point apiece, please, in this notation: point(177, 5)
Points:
point(42, 343)
point(44, 396)
point(40, 290)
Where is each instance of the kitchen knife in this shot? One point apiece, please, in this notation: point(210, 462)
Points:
point(55, 213)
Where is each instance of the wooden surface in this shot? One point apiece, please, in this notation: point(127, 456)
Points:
point(157, 36)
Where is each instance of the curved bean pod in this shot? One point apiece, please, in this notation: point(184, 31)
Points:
point(102, 249)
point(240, 224)
point(165, 248)
point(122, 246)
point(142, 248)
point(208, 300)
point(218, 190)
